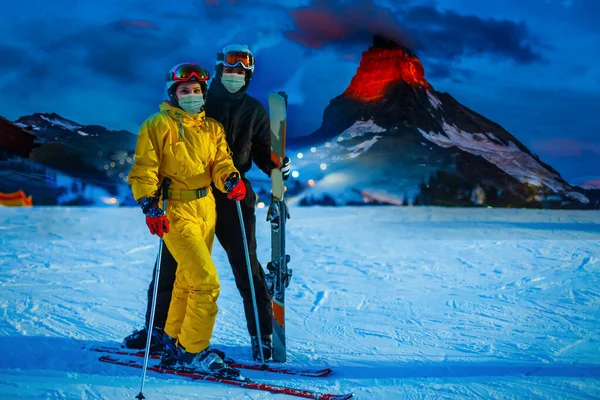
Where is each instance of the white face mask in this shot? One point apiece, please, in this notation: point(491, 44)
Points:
point(191, 103)
point(233, 82)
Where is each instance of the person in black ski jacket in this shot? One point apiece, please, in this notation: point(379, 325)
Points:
point(247, 129)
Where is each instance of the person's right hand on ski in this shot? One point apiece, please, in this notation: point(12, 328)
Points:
point(155, 217)
point(236, 190)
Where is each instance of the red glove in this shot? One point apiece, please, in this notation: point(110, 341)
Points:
point(155, 217)
point(236, 190)
point(158, 225)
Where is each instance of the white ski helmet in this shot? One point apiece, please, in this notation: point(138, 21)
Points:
point(236, 55)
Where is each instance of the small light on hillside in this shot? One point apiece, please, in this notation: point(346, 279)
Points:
point(323, 167)
point(112, 164)
point(122, 162)
point(108, 200)
point(311, 182)
point(295, 174)
point(340, 139)
point(129, 160)
point(106, 167)
point(313, 149)
point(327, 144)
point(299, 155)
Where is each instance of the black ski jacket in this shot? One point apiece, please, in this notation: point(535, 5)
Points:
point(246, 124)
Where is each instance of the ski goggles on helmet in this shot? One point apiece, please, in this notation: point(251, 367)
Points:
point(186, 72)
point(234, 58)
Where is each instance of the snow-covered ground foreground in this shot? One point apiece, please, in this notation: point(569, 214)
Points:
point(403, 303)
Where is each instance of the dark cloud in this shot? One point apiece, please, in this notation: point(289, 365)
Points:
point(95, 63)
point(344, 24)
point(121, 51)
point(240, 21)
point(445, 35)
point(449, 35)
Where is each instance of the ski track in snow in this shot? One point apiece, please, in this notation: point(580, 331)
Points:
point(402, 302)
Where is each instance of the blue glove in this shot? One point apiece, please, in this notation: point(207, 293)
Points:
point(286, 168)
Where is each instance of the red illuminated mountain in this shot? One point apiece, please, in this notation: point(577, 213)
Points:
point(382, 66)
point(390, 137)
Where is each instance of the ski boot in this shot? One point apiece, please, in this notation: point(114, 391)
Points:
point(209, 361)
point(137, 340)
point(169, 353)
point(267, 347)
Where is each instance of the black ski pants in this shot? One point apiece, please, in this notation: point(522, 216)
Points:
point(229, 235)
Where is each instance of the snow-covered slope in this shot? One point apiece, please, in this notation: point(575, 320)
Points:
point(404, 303)
point(507, 157)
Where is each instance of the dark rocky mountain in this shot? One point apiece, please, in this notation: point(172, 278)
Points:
point(58, 161)
point(392, 138)
point(15, 140)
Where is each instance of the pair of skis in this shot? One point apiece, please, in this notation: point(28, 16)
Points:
point(279, 275)
point(116, 356)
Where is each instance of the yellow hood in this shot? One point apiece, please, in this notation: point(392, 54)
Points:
point(189, 149)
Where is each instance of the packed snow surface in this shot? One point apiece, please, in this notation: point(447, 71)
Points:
point(402, 302)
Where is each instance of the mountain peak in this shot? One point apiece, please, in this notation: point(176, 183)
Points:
point(41, 119)
point(382, 65)
point(383, 42)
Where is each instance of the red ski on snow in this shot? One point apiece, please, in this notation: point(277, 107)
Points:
point(246, 383)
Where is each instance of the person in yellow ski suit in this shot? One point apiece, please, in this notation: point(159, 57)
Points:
point(181, 144)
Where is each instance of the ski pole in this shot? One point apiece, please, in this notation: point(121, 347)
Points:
point(241, 217)
point(165, 191)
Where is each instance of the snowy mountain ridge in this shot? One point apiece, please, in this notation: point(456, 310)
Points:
point(391, 132)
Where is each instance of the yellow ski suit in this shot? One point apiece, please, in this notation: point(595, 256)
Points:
point(193, 152)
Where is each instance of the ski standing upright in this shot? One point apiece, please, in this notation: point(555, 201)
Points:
point(279, 275)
